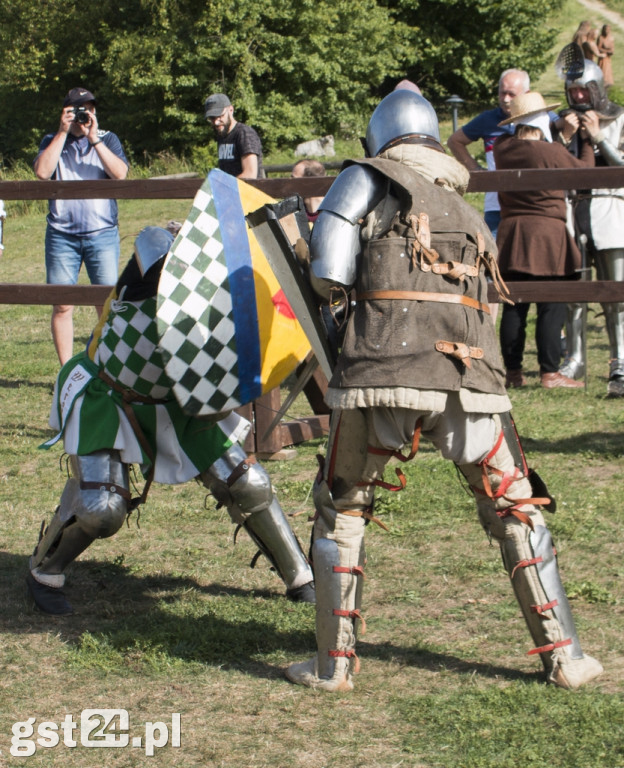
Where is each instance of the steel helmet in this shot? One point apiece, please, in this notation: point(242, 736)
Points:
point(151, 245)
point(591, 78)
point(402, 117)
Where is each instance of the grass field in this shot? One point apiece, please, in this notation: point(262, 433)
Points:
point(170, 619)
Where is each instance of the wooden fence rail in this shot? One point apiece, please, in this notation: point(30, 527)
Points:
point(261, 411)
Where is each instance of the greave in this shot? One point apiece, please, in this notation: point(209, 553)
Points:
point(244, 486)
point(530, 560)
point(574, 365)
point(269, 529)
point(338, 558)
point(610, 266)
point(510, 514)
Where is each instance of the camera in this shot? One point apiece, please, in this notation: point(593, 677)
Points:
point(81, 115)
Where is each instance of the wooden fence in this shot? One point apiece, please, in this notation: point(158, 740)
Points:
point(261, 412)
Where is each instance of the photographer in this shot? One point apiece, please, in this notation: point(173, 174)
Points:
point(81, 230)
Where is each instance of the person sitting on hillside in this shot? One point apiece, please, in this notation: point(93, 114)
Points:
point(580, 36)
point(590, 46)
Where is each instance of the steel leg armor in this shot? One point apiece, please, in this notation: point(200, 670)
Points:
point(93, 506)
point(338, 556)
point(609, 266)
point(510, 513)
point(245, 488)
point(508, 500)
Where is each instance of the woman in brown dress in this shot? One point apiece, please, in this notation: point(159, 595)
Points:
point(533, 240)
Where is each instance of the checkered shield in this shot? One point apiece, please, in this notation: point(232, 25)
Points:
point(226, 331)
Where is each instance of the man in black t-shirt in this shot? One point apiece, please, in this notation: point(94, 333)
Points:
point(240, 148)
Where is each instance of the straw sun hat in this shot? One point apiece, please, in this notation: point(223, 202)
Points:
point(526, 105)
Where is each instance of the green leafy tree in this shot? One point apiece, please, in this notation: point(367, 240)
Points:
point(462, 46)
point(294, 69)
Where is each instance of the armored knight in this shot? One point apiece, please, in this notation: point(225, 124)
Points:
point(599, 217)
point(114, 407)
point(420, 359)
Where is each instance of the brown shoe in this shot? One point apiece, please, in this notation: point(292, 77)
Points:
point(514, 378)
point(556, 379)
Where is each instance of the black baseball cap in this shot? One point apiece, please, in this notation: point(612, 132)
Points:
point(77, 97)
point(215, 104)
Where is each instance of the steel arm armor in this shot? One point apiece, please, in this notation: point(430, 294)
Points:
point(612, 155)
point(335, 244)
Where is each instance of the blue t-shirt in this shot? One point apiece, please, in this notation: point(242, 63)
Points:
point(80, 161)
point(486, 126)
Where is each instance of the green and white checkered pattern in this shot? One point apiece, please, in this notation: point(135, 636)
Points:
point(127, 349)
point(196, 332)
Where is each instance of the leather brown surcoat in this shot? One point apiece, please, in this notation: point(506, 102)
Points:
point(421, 318)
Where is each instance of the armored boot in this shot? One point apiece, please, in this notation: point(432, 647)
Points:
point(338, 556)
point(93, 505)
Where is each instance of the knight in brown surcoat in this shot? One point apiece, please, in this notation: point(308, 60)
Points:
point(419, 360)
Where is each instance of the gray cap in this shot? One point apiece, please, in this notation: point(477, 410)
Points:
point(215, 104)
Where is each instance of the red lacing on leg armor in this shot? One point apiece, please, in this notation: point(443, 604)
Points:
point(507, 480)
point(550, 646)
point(526, 564)
point(387, 486)
point(397, 455)
point(355, 570)
point(351, 615)
point(351, 654)
point(513, 512)
point(540, 609)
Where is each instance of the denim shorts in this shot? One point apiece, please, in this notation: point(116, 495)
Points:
point(65, 254)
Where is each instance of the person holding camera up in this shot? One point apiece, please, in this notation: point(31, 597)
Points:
point(82, 230)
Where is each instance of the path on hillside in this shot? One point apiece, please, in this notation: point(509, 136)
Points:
point(597, 7)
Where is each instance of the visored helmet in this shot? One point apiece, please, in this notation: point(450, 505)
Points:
point(592, 79)
point(402, 117)
point(579, 72)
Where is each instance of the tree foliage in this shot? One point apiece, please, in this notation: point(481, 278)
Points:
point(462, 46)
point(293, 68)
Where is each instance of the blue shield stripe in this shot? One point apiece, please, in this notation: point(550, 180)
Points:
point(235, 241)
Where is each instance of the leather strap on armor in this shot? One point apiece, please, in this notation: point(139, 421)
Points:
point(460, 351)
point(444, 298)
point(455, 270)
point(240, 470)
point(86, 485)
point(366, 513)
point(129, 396)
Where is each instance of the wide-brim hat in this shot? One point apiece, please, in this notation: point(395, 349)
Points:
point(526, 105)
